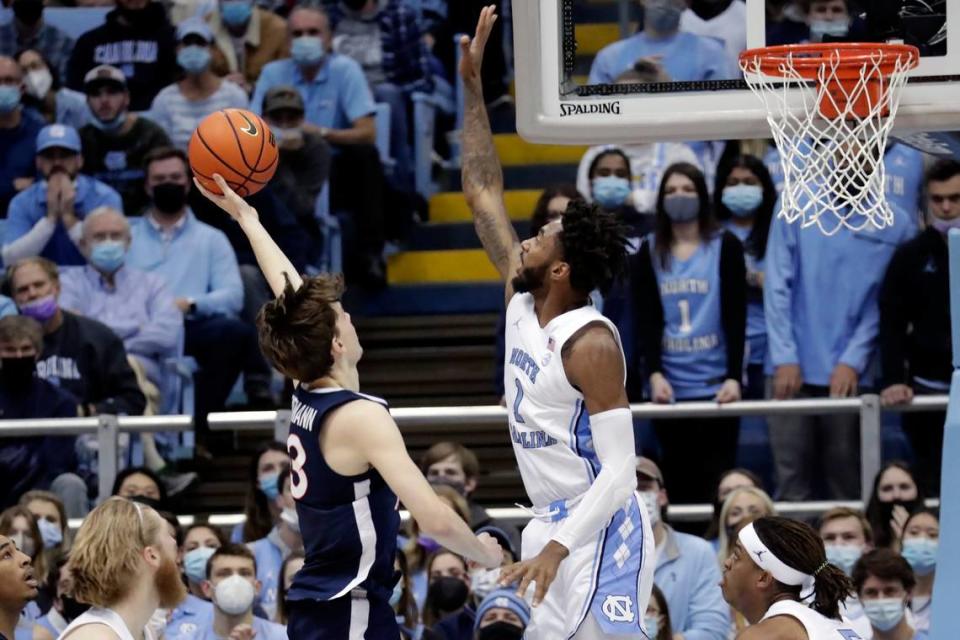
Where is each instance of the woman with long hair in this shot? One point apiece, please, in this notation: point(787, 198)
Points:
point(919, 546)
point(260, 509)
point(689, 287)
point(742, 505)
point(896, 494)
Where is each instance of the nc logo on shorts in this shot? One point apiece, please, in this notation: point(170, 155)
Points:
point(618, 608)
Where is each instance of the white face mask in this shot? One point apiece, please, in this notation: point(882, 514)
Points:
point(234, 595)
point(38, 82)
point(652, 501)
point(290, 516)
point(483, 581)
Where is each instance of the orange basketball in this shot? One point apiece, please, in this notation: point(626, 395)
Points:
point(239, 146)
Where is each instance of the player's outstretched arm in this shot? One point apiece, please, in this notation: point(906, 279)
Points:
point(380, 442)
point(594, 364)
point(482, 175)
point(273, 263)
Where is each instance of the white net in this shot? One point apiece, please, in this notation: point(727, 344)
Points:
point(830, 119)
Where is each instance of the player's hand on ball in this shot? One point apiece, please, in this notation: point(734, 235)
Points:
point(472, 59)
point(729, 392)
point(541, 569)
point(494, 551)
point(230, 202)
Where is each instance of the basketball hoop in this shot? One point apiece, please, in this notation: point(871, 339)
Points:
point(831, 108)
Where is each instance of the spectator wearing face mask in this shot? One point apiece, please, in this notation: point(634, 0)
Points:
point(47, 508)
point(724, 20)
point(689, 279)
point(452, 464)
point(272, 550)
point(180, 107)
point(448, 610)
point(200, 541)
point(832, 21)
point(339, 106)
point(247, 37)
point(896, 495)
point(884, 582)
point(483, 581)
point(28, 30)
point(138, 39)
point(656, 620)
point(611, 187)
point(141, 485)
point(232, 587)
point(116, 141)
point(502, 615)
point(45, 219)
point(30, 462)
point(915, 342)
point(18, 586)
point(261, 511)
point(846, 537)
point(405, 605)
point(687, 571)
point(18, 134)
point(684, 56)
point(921, 541)
point(65, 608)
point(45, 94)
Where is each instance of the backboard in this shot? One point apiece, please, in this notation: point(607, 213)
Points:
point(556, 44)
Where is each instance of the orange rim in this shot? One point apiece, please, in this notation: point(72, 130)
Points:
point(808, 59)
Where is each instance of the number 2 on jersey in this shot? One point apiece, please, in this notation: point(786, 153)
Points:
point(516, 403)
point(298, 458)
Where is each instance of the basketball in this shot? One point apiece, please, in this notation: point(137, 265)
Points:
point(239, 146)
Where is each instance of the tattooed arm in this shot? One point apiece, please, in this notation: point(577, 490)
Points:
point(482, 175)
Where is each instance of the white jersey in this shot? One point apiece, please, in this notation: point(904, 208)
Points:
point(549, 424)
point(106, 618)
point(818, 626)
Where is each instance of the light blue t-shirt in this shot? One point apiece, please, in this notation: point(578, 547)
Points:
point(694, 352)
point(684, 57)
point(262, 629)
point(337, 97)
point(189, 618)
point(269, 559)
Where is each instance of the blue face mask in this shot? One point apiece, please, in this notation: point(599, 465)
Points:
point(307, 51)
point(194, 59)
point(50, 532)
point(681, 208)
point(397, 594)
point(652, 623)
point(108, 256)
point(884, 613)
point(843, 556)
point(235, 13)
point(195, 563)
point(611, 192)
point(110, 125)
point(921, 553)
point(269, 486)
point(743, 200)
point(9, 98)
point(832, 28)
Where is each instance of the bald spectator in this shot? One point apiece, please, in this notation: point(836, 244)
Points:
point(247, 38)
point(18, 134)
point(45, 218)
point(339, 106)
point(116, 141)
point(138, 306)
point(27, 30)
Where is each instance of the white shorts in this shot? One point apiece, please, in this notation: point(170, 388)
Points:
point(608, 579)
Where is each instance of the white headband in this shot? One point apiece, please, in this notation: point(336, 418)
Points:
point(764, 558)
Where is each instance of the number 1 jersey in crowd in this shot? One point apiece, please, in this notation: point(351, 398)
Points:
point(349, 523)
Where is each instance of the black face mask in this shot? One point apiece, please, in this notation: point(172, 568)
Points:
point(500, 631)
point(169, 197)
point(17, 373)
point(72, 609)
point(886, 508)
point(354, 5)
point(448, 594)
point(153, 503)
point(28, 12)
point(134, 17)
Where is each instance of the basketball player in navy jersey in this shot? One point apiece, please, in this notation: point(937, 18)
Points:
point(347, 459)
point(589, 548)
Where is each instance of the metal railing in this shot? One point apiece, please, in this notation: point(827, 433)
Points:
point(434, 419)
point(423, 419)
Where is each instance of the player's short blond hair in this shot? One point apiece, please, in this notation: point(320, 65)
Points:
point(106, 555)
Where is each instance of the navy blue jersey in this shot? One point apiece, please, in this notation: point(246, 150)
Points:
point(349, 523)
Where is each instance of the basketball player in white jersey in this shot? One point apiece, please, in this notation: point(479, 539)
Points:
point(778, 577)
point(124, 563)
point(589, 548)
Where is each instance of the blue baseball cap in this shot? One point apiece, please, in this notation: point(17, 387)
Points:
point(501, 536)
point(194, 26)
point(504, 599)
point(58, 135)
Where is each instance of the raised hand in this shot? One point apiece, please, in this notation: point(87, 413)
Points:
point(230, 202)
point(471, 60)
